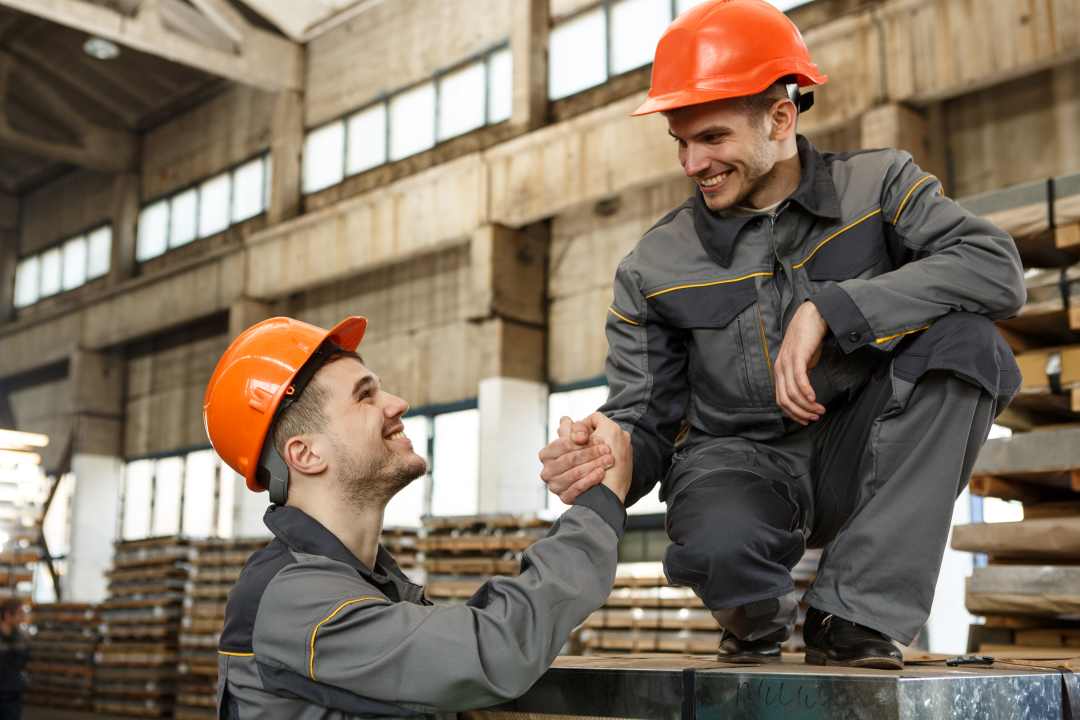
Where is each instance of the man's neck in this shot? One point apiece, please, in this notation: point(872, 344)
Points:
point(780, 183)
point(358, 529)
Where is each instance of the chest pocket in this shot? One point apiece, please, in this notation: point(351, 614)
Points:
point(849, 252)
point(728, 366)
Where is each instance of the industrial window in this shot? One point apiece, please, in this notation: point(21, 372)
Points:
point(324, 157)
point(456, 463)
point(65, 266)
point(577, 54)
point(191, 494)
point(214, 205)
point(407, 507)
point(682, 6)
point(636, 27)
point(183, 217)
point(412, 121)
point(462, 108)
point(204, 209)
point(366, 132)
point(578, 404)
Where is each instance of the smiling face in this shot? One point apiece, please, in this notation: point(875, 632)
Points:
point(729, 151)
point(354, 435)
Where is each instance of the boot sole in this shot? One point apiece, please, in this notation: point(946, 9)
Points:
point(749, 659)
point(816, 657)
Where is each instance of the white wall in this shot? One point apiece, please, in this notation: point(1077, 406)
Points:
point(99, 480)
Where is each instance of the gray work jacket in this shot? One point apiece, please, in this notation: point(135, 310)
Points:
point(702, 302)
point(311, 632)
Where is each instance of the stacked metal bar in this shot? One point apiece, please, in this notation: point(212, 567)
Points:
point(17, 562)
point(64, 637)
point(646, 615)
point(401, 543)
point(215, 567)
point(1029, 590)
point(137, 661)
point(459, 554)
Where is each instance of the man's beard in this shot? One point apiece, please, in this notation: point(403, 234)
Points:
point(373, 481)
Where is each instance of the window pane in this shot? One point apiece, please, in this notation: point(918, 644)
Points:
point(455, 471)
point(324, 157)
point(407, 507)
point(138, 485)
point(367, 139)
point(461, 100)
point(575, 404)
point(226, 500)
point(682, 6)
point(183, 218)
point(100, 252)
point(168, 479)
point(74, 262)
point(27, 275)
point(200, 469)
point(51, 263)
point(153, 231)
point(577, 54)
point(214, 205)
point(248, 190)
point(500, 86)
point(412, 121)
point(786, 5)
point(636, 27)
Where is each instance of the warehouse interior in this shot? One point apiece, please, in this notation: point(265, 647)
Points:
point(466, 175)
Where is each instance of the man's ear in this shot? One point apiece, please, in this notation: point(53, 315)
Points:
point(783, 118)
point(302, 456)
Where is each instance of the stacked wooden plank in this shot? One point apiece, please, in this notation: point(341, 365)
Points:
point(1029, 592)
point(646, 615)
point(64, 638)
point(17, 561)
point(401, 543)
point(137, 661)
point(215, 566)
point(459, 554)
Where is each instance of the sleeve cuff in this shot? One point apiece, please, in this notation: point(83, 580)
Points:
point(843, 317)
point(606, 504)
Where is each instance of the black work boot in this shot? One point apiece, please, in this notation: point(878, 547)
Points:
point(763, 650)
point(831, 640)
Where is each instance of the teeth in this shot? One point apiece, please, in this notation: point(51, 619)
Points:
point(398, 436)
point(714, 180)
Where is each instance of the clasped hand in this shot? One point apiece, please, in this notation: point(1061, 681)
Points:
point(587, 453)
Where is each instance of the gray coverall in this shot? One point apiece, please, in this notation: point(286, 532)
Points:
point(311, 632)
point(912, 374)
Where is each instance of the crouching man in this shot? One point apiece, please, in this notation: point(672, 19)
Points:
point(322, 623)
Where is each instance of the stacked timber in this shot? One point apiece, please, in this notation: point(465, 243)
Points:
point(459, 554)
point(215, 567)
point(644, 614)
point(401, 543)
point(64, 638)
point(137, 661)
point(1029, 593)
point(17, 561)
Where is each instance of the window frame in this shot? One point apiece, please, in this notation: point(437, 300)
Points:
point(84, 233)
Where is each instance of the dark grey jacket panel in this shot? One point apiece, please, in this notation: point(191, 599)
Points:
point(702, 302)
point(332, 640)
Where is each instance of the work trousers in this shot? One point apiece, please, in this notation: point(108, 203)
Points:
point(873, 482)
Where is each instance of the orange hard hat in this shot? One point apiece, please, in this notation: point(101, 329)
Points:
point(256, 372)
point(725, 49)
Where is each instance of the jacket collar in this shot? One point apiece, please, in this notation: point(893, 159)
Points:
point(816, 194)
point(305, 534)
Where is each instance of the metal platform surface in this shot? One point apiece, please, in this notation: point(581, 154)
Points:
point(698, 688)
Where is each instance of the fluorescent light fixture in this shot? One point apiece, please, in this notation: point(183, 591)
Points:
point(100, 48)
point(16, 440)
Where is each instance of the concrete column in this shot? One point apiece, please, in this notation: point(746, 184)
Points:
point(9, 253)
point(528, 44)
point(125, 220)
point(95, 514)
point(286, 145)
point(248, 510)
point(513, 428)
point(245, 312)
point(97, 387)
point(899, 126)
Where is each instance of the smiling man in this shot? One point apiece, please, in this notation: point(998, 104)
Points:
point(802, 352)
point(322, 623)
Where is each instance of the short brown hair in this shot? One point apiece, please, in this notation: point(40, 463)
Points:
point(9, 607)
point(757, 105)
point(305, 414)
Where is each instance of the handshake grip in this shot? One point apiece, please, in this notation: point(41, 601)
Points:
point(587, 453)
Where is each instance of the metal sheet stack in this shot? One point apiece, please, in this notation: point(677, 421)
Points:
point(64, 638)
point(646, 615)
point(401, 543)
point(458, 554)
point(137, 661)
point(1029, 592)
point(17, 560)
point(215, 566)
